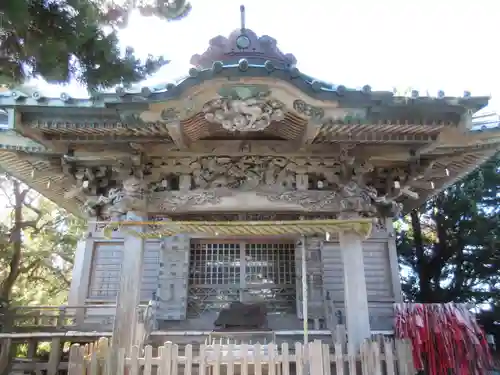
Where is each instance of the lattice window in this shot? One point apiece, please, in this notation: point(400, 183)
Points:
point(270, 275)
point(241, 271)
point(270, 263)
point(215, 264)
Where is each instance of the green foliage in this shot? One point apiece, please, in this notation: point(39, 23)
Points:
point(73, 39)
point(48, 241)
point(450, 248)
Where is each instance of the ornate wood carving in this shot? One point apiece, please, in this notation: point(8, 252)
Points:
point(336, 185)
point(248, 114)
point(119, 201)
point(235, 148)
point(242, 216)
point(314, 113)
point(174, 201)
point(343, 185)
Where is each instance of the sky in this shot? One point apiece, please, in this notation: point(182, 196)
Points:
point(428, 45)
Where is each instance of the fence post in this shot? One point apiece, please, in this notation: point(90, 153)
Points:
point(75, 360)
point(404, 357)
point(339, 359)
point(188, 365)
point(134, 359)
point(364, 355)
point(61, 317)
point(148, 359)
point(257, 351)
point(203, 363)
point(32, 347)
point(352, 352)
point(376, 357)
point(285, 359)
point(230, 359)
point(120, 361)
point(315, 358)
point(166, 359)
point(271, 358)
point(175, 359)
point(326, 359)
point(299, 359)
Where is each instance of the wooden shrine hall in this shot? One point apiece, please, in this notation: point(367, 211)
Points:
point(247, 182)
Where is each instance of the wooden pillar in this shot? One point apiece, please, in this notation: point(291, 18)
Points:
point(356, 297)
point(128, 299)
point(393, 261)
point(56, 348)
point(32, 347)
point(305, 313)
point(7, 351)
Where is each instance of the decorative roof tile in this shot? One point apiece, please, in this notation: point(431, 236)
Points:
point(243, 44)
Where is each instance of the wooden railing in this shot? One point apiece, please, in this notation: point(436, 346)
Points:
point(46, 323)
point(78, 318)
point(59, 318)
point(380, 357)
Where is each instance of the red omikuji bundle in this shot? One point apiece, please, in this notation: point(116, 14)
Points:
point(446, 338)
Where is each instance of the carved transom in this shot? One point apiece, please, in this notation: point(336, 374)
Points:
point(338, 184)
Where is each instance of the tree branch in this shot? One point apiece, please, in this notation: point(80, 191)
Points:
point(33, 208)
point(15, 261)
point(30, 267)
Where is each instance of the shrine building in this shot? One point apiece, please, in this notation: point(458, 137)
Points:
point(246, 181)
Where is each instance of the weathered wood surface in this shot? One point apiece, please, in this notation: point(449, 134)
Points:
point(129, 295)
point(50, 364)
point(83, 318)
point(53, 318)
point(379, 357)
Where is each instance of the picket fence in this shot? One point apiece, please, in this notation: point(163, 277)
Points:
point(382, 357)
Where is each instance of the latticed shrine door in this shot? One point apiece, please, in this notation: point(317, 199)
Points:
point(269, 274)
point(254, 271)
point(215, 275)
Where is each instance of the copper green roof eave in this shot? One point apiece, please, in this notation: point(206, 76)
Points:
point(316, 89)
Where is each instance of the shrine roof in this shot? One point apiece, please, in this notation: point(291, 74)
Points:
point(386, 102)
point(49, 141)
point(242, 58)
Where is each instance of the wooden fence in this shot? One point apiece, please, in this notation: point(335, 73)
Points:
point(382, 357)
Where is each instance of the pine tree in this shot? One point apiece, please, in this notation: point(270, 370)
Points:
point(37, 243)
point(450, 248)
point(74, 39)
